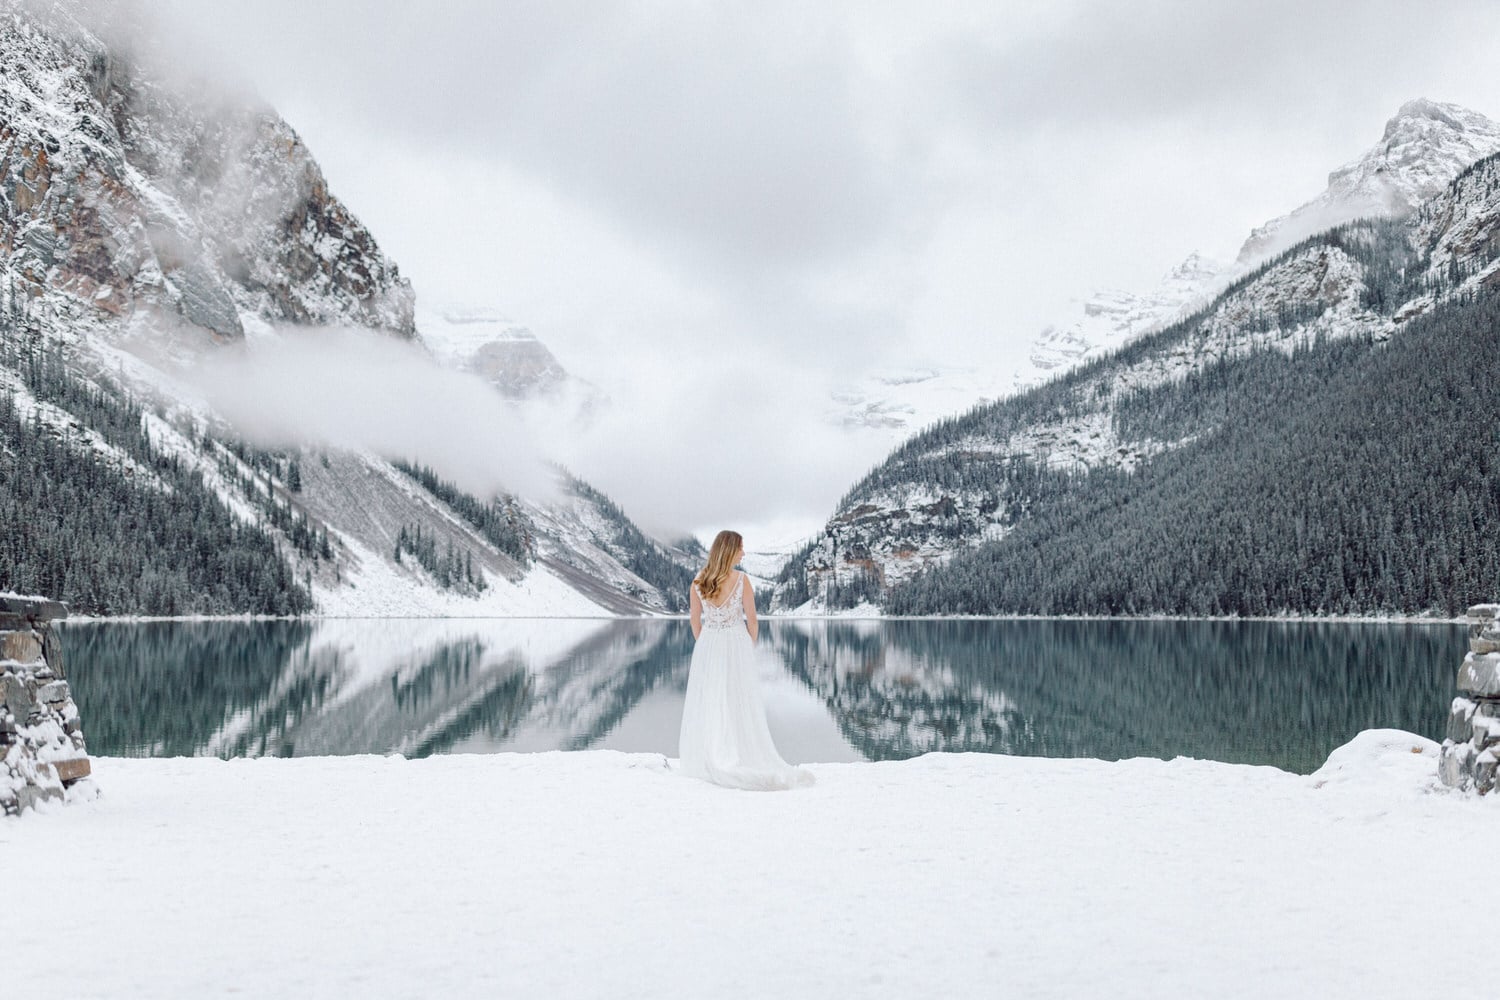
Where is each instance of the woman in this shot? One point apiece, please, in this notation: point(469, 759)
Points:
point(724, 737)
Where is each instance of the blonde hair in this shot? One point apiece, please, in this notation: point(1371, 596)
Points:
point(710, 580)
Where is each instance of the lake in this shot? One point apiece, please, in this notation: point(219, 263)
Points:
point(1276, 693)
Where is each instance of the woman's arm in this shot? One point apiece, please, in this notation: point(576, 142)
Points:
point(695, 611)
point(752, 624)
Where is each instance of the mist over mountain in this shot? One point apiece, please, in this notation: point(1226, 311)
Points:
point(215, 374)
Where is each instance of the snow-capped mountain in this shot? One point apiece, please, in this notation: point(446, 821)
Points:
point(974, 479)
point(1422, 149)
point(150, 230)
point(1112, 317)
point(1424, 146)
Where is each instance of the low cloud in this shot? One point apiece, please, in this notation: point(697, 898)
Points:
point(353, 389)
point(684, 448)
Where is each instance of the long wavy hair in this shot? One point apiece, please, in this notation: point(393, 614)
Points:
point(710, 579)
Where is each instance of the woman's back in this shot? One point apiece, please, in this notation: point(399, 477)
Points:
point(729, 611)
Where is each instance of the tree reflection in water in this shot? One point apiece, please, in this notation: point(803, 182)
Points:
point(293, 688)
point(1252, 692)
point(166, 688)
point(1275, 693)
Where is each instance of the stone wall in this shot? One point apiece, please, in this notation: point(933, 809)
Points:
point(42, 753)
point(1472, 746)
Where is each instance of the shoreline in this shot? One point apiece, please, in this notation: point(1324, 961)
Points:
point(1283, 619)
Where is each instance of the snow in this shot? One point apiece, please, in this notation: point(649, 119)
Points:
point(602, 874)
point(890, 405)
point(374, 588)
point(12, 595)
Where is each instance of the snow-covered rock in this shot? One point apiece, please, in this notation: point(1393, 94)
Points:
point(132, 203)
point(1382, 759)
point(42, 753)
point(1424, 147)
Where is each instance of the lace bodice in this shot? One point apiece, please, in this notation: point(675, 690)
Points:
point(732, 613)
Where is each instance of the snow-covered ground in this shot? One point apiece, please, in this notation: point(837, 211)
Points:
point(376, 589)
point(603, 874)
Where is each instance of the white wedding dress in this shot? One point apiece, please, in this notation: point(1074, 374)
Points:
point(724, 737)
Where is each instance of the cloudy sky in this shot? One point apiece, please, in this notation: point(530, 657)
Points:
point(719, 211)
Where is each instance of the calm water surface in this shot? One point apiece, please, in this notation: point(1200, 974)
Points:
point(1246, 692)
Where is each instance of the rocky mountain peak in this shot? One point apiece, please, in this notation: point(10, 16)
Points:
point(1195, 269)
point(1424, 146)
point(1421, 110)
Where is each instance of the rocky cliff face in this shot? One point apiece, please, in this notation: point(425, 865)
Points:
point(124, 201)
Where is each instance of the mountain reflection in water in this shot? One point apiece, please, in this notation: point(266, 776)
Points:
point(1251, 692)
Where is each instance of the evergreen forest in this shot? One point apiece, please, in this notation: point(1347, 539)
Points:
point(1349, 477)
point(146, 537)
point(501, 521)
point(637, 553)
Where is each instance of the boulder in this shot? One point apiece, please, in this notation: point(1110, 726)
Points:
point(1480, 675)
point(22, 647)
point(16, 695)
point(1460, 721)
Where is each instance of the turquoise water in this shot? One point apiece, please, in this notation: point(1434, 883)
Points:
point(1283, 694)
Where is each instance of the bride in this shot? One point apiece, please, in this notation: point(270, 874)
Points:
point(724, 737)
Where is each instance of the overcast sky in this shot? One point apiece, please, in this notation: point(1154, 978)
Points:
point(716, 210)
